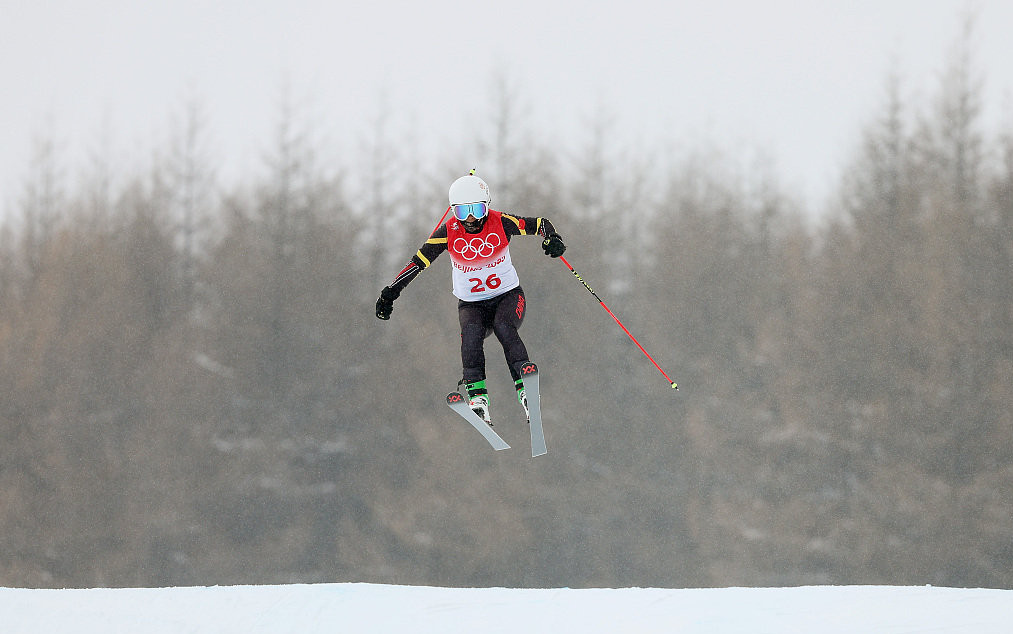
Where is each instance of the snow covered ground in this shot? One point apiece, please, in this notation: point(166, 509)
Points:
point(356, 607)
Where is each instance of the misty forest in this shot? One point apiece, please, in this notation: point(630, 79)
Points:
point(195, 390)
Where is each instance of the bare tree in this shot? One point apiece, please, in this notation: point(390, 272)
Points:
point(192, 189)
point(951, 136)
point(385, 202)
point(44, 195)
point(100, 175)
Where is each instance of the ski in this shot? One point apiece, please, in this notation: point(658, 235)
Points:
point(529, 374)
point(458, 403)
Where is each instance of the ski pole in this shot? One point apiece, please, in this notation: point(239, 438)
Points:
point(441, 221)
point(634, 339)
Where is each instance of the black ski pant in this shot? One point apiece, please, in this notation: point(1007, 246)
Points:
point(501, 315)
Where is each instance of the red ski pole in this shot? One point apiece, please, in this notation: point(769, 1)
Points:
point(634, 339)
point(441, 221)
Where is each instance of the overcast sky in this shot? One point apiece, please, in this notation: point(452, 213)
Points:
point(797, 78)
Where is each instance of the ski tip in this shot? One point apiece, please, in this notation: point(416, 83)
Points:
point(674, 386)
point(528, 368)
point(455, 397)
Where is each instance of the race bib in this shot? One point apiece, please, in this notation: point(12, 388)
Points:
point(481, 261)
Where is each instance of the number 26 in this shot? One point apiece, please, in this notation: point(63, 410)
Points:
point(492, 282)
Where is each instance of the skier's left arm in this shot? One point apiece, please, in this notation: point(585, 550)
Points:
point(552, 242)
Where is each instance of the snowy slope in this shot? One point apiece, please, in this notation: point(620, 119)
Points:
point(421, 610)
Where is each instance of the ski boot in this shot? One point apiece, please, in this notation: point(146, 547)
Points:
point(522, 398)
point(478, 400)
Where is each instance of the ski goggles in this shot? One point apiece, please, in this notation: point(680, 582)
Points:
point(478, 210)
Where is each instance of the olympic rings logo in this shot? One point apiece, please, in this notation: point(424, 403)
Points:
point(477, 247)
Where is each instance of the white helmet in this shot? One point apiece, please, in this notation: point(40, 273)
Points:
point(469, 189)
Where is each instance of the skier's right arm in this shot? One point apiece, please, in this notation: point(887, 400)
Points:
point(434, 246)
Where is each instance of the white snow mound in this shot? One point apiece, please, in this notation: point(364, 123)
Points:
point(360, 607)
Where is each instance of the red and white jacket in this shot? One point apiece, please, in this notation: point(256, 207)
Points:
point(481, 262)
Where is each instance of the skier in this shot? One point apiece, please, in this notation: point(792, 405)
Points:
point(485, 282)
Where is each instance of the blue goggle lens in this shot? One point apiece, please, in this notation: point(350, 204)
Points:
point(478, 210)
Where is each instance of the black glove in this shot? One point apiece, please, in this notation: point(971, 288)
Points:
point(385, 305)
point(553, 246)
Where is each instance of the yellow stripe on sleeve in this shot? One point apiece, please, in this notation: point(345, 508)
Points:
point(516, 222)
